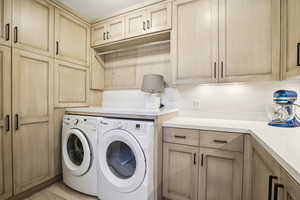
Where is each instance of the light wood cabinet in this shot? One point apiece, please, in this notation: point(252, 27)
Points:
point(225, 41)
point(220, 175)
point(70, 85)
point(5, 22)
point(249, 40)
point(108, 31)
point(195, 41)
point(72, 37)
point(136, 23)
point(265, 173)
point(5, 124)
point(33, 26)
point(159, 17)
point(32, 119)
point(291, 189)
point(291, 33)
point(97, 72)
point(180, 168)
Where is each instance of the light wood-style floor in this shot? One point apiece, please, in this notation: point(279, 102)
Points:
point(59, 191)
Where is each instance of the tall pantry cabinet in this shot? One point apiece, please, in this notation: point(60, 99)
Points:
point(28, 54)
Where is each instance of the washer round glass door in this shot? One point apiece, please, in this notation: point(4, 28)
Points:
point(122, 161)
point(76, 152)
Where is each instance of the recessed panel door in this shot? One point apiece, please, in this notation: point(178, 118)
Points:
point(5, 22)
point(32, 119)
point(136, 23)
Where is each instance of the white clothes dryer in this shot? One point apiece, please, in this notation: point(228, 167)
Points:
point(126, 160)
point(79, 155)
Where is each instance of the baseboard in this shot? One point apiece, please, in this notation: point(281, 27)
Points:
point(36, 189)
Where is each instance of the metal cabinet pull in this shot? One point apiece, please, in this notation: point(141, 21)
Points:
point(144, 26)
point(215, 70)
point(57, 47)
point(7, 32)
point(107, 37)
point(16, 34)
point(195, 159)
point(298, 54)
point(7, 123)
point(148, 24)
point(271, 178)
point(180, 136)
point(17, 122)
point(276, 188)
point(202, 160)
point(222, 69)
point(220, 141)
point(104, 36)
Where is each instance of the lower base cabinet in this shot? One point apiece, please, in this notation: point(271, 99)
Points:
point(191, 172)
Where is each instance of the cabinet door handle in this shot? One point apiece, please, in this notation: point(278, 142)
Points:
point(271, 178)
point(215, 70)
point(107, 37)
point(222, 69)
point(17, 122)
point(16, 34)
point(298, 54)
point(195, 159)
point(276, 188)
point(144, 26)
point(7, 32)
point(148, 24)
point(57, 47)
point(202, 160)
point(180, 136)
point(220, 141)
point(7, 123)
point(104, 36)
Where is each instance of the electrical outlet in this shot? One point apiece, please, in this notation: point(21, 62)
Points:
point(196, 104)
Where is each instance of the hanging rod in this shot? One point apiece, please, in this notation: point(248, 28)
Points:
point(130, 48)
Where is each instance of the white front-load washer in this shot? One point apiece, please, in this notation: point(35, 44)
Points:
point(79, 153)
point(126, 160)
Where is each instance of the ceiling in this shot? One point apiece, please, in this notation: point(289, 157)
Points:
point(95, 9)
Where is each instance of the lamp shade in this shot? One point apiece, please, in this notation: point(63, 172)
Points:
point(153, 83)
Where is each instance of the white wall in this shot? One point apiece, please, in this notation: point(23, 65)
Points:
point(245, 101)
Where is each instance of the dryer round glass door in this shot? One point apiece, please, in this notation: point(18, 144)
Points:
point(76, 152)
point(122, 161)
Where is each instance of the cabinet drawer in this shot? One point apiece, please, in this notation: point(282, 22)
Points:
point(222, 140)
point(181, 136)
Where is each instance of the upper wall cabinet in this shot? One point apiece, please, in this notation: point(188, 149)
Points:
point(108, 31)
point(225, 41)
point(195, 41)
point(33, 22)
point(292, 35)
point(249, 42)
point(150, 19)
point(72, 38)
point(5, 21)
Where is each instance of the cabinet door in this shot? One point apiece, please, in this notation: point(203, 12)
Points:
point(291, 188)
point(195, 41)
point(32, 119)
point(5, 121)
point(72, 38)
point(33, 22)
point(292, 31)
point(5, 22)
point(180, 169)
point(159, 17)
point(263, 168)
point(136, 23)
point(70, 85)
point(99, 34)
point(249, 40)
point(97, 72)
point(220, 175)
point(115, 29)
